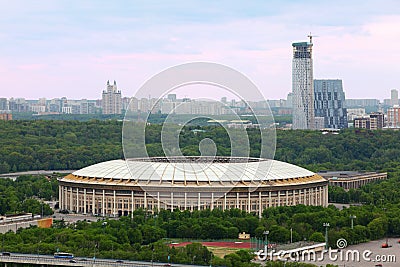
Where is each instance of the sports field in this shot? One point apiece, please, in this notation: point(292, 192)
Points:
point(219, 248)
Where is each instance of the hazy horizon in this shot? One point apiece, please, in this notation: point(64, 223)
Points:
point(56, 49)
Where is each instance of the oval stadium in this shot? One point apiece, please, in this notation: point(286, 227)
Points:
point(118, 187)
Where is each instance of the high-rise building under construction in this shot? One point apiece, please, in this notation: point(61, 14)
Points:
point(302, 86)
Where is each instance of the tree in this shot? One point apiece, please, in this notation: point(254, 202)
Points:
point(317, 237)
point(377, 228)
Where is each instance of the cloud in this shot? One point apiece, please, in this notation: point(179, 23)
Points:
point(63, 49)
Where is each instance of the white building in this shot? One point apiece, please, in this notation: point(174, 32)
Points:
point(303, 86)
point(353, 113)
point(111, 99)
point(394, 97)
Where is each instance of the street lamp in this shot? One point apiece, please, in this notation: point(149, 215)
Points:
point(94, 252)
point(193, 259)
point(104, 224)
point(352, 217)
point(265, 233)
point(326, 225)
point(291, 235)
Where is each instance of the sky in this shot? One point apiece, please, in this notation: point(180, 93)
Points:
point(70, 48)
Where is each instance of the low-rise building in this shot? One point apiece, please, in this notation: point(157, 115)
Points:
point(373, 121)
point(5, 116)
point(351, 179)
point(393, 117)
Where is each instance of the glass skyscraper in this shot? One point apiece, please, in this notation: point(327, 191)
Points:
point(302, 86)
point(329, 103)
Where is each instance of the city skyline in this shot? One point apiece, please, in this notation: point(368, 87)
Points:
point(58, 49)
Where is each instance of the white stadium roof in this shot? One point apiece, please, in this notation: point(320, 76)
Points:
point(182, 171)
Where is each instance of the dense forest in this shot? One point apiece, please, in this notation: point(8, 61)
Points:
point(27, 193)
point(52, 145)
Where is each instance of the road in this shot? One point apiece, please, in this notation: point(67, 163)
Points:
point(14, 175)
point(50, 260)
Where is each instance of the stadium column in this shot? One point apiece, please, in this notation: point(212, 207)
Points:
point(185, 200)
point(114, 203)
point(70, 199)
point(287, 197)
point(93, 201)
point(259, 205)
point(77, 199)
point(198, 202)
point(294, 197)
point(132, 204)
point(64, 197)
point(145, 200)
point(320, 195)
point(314, 196)
point(305, 196)
point(212, 201)
point(103, 208)
point(279, 198)
point(269, 199)
point(248, 202)
point(237, 200)
point(172, 201)
point(122, 205)
point(60, 197)
point(158, 201)
point(84, 200)
point(224, 201)
point(326, 196)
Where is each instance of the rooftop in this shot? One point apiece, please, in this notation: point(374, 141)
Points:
point(200, 170)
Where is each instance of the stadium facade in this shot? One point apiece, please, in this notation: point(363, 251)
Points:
point(118, 187)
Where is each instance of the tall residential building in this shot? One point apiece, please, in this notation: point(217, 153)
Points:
point(289, 100)
point(377, 120)
point(3, 104)
point(111, 101)
point(393, 117)
point(329, 103)
point(394, 97)
point(302, 86)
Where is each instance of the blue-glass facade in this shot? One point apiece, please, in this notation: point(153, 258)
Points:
point(329, 103)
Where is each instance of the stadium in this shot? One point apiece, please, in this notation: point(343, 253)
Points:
point(118, 187)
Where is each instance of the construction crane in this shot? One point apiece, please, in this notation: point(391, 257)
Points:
point(311, 36)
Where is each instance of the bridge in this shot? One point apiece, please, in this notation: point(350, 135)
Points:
point(48, 260)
